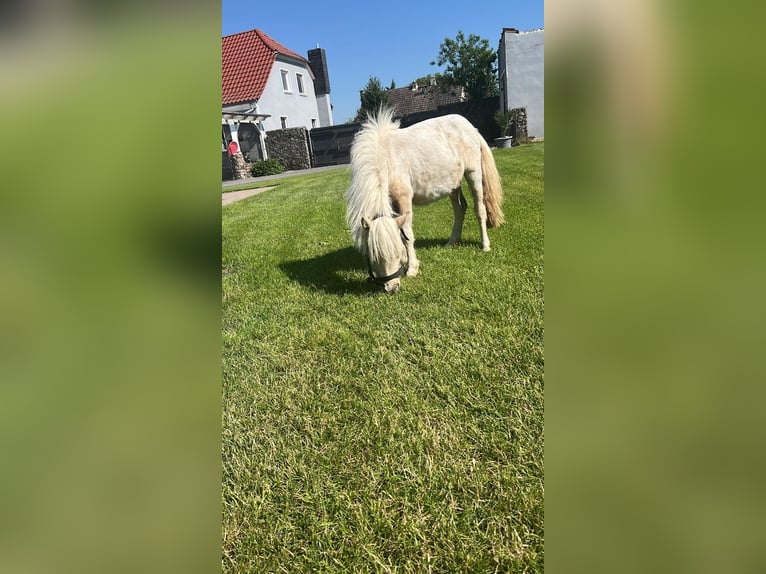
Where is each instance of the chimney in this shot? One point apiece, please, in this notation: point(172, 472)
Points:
point(318, 62)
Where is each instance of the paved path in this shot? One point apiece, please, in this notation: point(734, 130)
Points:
point(232, 196)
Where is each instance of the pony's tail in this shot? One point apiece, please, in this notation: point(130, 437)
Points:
point(492, 186)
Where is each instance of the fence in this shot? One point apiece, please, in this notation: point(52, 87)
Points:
point(227, 171)
point(332, 145)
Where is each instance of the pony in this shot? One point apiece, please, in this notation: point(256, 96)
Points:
point(394, 168)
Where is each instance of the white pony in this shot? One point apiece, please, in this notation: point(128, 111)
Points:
point(392, 169)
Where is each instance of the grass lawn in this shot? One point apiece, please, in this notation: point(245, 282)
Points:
point(373, 433)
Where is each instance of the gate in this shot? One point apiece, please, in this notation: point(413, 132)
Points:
point(227, 171)
point(331, 145)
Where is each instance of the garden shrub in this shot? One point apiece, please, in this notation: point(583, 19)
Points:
point(267, 167)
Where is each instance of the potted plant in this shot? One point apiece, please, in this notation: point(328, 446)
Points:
point(505, 123)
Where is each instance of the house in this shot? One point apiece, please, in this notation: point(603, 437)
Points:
point(266, 86)
point(521, 72)
point(417, 99)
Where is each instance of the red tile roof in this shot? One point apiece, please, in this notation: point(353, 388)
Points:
point(247, 59)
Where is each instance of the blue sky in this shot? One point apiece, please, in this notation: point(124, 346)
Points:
point(394, 40)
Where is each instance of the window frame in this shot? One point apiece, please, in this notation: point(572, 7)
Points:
point(286, 87)
point(301, 84)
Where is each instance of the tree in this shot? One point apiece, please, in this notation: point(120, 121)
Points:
point(437, 78)
point(373, 96)
point(469, 63)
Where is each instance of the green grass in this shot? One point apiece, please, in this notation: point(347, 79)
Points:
point(373, 433)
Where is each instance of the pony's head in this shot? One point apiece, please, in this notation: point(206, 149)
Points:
point(383, 245)
point(375, 231)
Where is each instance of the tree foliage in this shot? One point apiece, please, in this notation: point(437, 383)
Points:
point(373, 96)
point(469, 63)
point(437, 78)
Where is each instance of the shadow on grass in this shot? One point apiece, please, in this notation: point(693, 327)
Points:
point(344, 271)
point(340, 272)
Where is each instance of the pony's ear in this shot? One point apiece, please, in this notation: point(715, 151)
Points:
point(365, 223)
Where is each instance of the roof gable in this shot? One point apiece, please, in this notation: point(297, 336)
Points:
point(246, 62)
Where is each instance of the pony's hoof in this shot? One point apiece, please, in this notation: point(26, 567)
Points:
point(485, 248)
point(412, 271)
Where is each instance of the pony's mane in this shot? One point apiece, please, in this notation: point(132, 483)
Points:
point(383, 241)
point(367, 195)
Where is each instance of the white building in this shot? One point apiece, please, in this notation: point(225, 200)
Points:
point(266, 86)
point(521, 71)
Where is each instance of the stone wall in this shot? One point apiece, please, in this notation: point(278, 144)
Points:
point(234, 167)
point(481, 113)
point(519, 126)
point(241, 167)
point(290, 146)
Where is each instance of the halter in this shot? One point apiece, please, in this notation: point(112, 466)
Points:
point(385, 279)
point(398, 273)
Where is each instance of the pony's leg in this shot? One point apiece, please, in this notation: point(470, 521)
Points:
point(459, 207)
point(474, 181)
point(412, 261)
point(401, 196)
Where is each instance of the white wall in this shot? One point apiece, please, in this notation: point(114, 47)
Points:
point(522, 76)
point(299, 108)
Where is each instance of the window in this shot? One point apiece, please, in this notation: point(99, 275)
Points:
point(285, 80)
point(301, 89)
point(313, 122)
point(283, 119)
